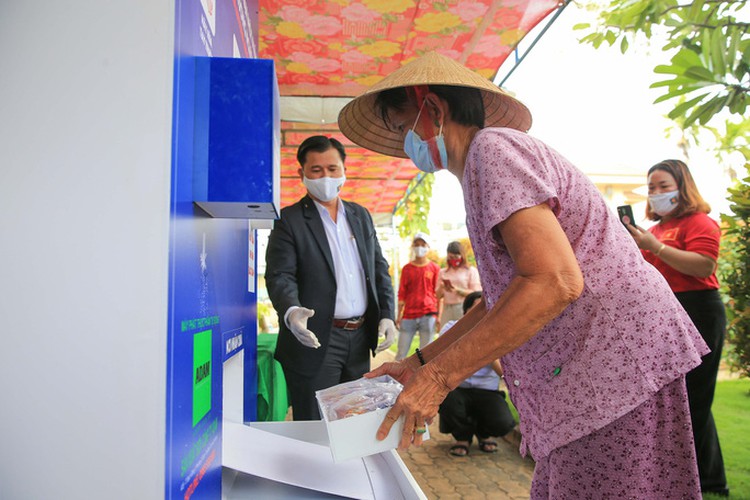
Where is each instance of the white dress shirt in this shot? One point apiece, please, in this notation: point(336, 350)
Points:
point(351, 291)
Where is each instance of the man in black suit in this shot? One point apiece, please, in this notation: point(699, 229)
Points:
point(328, 281)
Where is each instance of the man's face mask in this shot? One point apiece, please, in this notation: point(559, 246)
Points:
point(424, 152)
point(324, 188)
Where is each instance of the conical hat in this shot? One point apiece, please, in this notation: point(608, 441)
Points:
point(360, 122)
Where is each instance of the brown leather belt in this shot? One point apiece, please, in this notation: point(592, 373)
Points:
point(349, 324)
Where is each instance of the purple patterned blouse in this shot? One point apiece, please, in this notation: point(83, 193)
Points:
point(625, 337)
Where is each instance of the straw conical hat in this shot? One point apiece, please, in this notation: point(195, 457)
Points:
point(360, 122)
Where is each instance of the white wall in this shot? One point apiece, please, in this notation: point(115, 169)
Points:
point(85, 130)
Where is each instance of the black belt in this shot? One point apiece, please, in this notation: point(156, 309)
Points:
point(349, 324)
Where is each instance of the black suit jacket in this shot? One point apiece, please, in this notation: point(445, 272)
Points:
point(300, 272)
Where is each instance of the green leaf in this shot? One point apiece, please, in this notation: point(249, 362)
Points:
point(741, 71)
point(732, 101)
point(668, 70)
point(746, 55)
point(686, 58)
point(718, 47)
point(610, 37)
point(624, 45)
point(700, 73)
point(589, 38)
point(676, 82)
point(713, 107)
point(738, 104)
point(705, 47)
point(680, 109)
point(695, 9)
point(581, 26)
point(595, 39)
point(699, 112)
point(734, 36)
point(675, 93)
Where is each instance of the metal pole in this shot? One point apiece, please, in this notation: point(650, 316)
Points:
point(519, 61)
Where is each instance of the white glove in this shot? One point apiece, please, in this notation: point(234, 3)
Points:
point(297, 323)
point(386, 329)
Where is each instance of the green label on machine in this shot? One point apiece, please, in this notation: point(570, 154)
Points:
point(201, 375)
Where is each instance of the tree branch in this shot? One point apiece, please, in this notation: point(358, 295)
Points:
point(687, 6)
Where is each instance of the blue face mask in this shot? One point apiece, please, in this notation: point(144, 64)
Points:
point(419, 150)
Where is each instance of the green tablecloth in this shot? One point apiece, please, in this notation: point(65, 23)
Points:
point(272, 398)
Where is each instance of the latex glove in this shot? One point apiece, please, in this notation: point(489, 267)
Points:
point(386, 329)
point(297, 322)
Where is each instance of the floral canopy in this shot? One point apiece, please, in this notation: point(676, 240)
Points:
point(339, 48)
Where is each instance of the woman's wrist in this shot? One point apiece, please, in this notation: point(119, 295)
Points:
point(659, 250)
point(412, 362)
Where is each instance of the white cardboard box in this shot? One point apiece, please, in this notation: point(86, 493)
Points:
point(355, 436)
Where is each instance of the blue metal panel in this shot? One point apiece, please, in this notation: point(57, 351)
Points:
point(237, 137)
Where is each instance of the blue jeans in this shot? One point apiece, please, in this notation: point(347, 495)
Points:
point(425, 325)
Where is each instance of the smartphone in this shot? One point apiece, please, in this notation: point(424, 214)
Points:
point(447, 283)
point(625, 213)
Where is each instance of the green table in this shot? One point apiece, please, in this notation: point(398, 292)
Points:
point(272, 403)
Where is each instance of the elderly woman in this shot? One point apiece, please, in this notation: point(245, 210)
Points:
point(593, 344)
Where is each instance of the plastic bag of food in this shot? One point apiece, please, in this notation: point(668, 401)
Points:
point(357, 397)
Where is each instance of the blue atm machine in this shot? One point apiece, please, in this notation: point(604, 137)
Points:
point(225, 183)
point(229, 179)
point(225, 178)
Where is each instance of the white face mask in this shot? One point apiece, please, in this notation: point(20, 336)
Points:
point(664, 203)
point(324, 188)
point(420, 251)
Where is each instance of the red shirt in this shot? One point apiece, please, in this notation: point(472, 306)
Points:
point(417, 289)
point(697, 233)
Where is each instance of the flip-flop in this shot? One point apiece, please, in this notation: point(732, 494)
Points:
point(488, 446)
point(459, 450)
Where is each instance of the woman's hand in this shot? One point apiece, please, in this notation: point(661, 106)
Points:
point(418, 403)
point(644, 239)
point(403, 370)
point(684, 261)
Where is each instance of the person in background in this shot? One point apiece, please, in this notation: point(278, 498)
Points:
point(456, 282)
point(417, 299)
point(476, 407)
point(328, 281)
point(684, 247)
point(594, 346)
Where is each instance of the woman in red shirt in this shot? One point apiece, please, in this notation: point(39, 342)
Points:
point(684, 247)
point(456, 282)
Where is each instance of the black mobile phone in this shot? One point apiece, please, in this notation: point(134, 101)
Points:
point(625, 213)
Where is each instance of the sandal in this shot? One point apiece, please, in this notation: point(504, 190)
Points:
point(488, 446)
point(459, 450)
